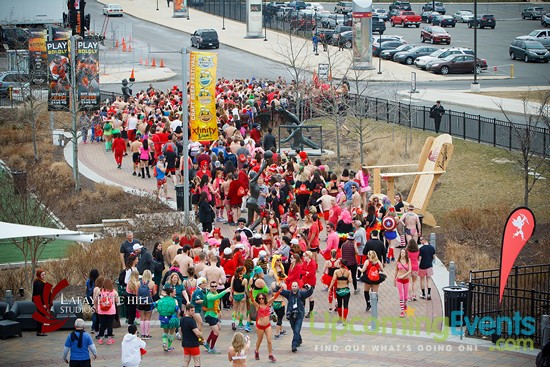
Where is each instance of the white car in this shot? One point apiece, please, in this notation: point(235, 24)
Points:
point(463, 16)
point(111, 10)
point(314, 6)
point(380, 13)
point(422, 61)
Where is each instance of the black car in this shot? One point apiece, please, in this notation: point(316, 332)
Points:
point(401, 5)
point(378, 25)
point(439, 7)
point(205, 38)
point(272, 7)
point(345, 39)
point(387, 45)
point(444, 20)
point(483, 21)
point(528, 51)
point(388, 54)
point(407, 57)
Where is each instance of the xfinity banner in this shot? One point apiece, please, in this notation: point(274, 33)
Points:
point(87, 74)
point(180, 9)
point(58, 75)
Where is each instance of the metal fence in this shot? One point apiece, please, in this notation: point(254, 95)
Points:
point(527, 294)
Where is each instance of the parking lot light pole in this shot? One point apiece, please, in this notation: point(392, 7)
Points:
point(265, 20)
point(157, 5)
point(475, 84)
point(223, 16)
point(380, 53)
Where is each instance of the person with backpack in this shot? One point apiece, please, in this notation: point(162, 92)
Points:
point(372, 276)
point(168, 309)
point(90, 285)
point(79, 344)
point(106, 304)
point(145, 301)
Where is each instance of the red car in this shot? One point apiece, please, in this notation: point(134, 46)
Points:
point(435, 35)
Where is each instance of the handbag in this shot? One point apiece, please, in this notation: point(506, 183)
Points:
point(342, 292)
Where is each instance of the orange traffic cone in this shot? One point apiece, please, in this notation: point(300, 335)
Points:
point(123, 42)
point(124, 47)
point(116, 44)
point(146, 62)
point(153, 63)
point(141, 61)
point(132, 75)
point(161, 63)
point(129, 48)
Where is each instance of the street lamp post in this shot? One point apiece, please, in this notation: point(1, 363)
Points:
point(157, 5)
point(475, 42)
point(265, 20)
point(223, 16)
point(380, 53)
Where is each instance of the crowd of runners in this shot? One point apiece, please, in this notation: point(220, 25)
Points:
point(282, 205)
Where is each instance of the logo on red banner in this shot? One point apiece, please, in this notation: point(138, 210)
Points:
point(366, 14)
point(520, 226)
point(44, 304)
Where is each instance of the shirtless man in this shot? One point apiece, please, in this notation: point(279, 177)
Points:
point(325, 202)
point(185, 261)
point(356, 200)
point(134, 147)
point(412, 224)
point(201, 265)
point(171, 253)
point(215, 273)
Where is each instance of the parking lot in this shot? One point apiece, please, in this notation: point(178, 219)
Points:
point(492, 45)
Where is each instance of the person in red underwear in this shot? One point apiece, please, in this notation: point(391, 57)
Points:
point(263, 323)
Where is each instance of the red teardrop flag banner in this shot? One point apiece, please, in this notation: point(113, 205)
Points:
point(519, 228)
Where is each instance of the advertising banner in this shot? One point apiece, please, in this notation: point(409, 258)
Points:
point(202, 84)
point(87, 74)
point(254, 18)
point(58, 75)
point(180, 9)
point(362, 34)
point(37, 53)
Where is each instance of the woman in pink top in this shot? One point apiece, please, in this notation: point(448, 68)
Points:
point(105, 305)
point(412, 248)
point(363, 177)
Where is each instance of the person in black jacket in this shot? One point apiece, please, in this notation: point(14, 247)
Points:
point(38, 290)
point(206, 213)
point(269, 140)
point(145, 259)
point(436, 112)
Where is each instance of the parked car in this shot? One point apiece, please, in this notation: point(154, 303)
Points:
point(406, 18)
point(112, 10)
point(439, 7)
point(343, 7)
point(381, 13)
point(528, 51)
point(315, 6)
point(444, 21)
point(12, 80)
point(388, 54)
point(378, 25)
point(15, 37)
point(545, 20)
point(401, 5)
point(302, 21)
point(408, 57)
point(540, 35)
point(387, 37)
point(205, 38)
point(335, 40)
point(335, 19)
point(457, 64)
point(442, 53)
point(298, 5)
point(532, 12)
point(428, 16)
point(386, 45)
point(272, 7)
point(483, 21)
point(345, 39)
point(283, 13)
point(435, 35)
point(463, 16)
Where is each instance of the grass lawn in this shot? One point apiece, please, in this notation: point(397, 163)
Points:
point(53, 250)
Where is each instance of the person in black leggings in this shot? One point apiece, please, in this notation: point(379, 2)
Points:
point(341, 279)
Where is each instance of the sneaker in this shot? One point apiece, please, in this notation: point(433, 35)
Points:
point(233, 327)
point(223, 220)
point(247, 328)
point(272, 359)
point(100, 342)
point(294, 350)
point(257, 355)
point(429, 298)
point(277, 336)
point(283, 332)
point(164, 348)
point(205, 344)
point(213, 351)
point(240, 327)
point(402, 314)
point(356, 291)
point(178, 335)
point(330, 309)
point(110, 341)
point(92, 332)
point(414, 298)
point(423, 297)
point(170, 349)
point(368, 308)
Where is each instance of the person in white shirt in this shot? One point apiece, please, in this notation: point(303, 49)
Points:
point(132, 126)
point(131, 348)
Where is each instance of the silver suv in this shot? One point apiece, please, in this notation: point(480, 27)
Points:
point(422, 61)
point(343, 7)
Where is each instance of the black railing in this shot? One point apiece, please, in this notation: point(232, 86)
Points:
point(527, 294)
